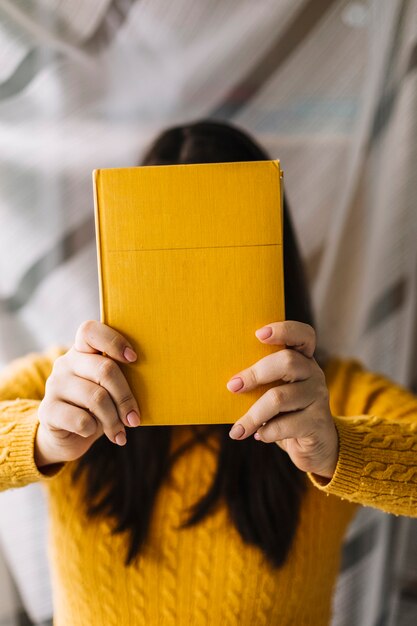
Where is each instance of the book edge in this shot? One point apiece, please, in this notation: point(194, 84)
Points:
point(96, 174)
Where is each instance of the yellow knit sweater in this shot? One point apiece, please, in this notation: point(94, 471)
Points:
point(206, 574)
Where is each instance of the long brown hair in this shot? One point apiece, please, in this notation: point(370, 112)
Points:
point(258, 483)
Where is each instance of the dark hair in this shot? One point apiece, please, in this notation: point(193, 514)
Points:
point(258, 482)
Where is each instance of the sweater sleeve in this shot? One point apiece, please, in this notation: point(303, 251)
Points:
point(376, 421)
point(22, 386)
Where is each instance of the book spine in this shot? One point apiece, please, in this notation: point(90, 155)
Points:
point(281, 186)
point(96, 178)
point(277, 164)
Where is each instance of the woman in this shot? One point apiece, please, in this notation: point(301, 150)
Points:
point(205, 525)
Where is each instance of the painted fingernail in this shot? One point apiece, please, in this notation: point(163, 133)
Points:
point(129, 355)
point(235, 384)
point(120, 439)
point(264, 333)
point(237, 431)
point(257, 436)
point(133, 418)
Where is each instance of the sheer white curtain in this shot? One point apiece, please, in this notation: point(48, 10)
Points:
point(329, 87)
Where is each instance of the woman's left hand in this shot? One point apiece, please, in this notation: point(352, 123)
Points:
point(295, 414)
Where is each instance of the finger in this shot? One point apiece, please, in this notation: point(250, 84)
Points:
point(295, 425)
point(66, 418)
point(287, 365)
point(282, 444)
point(105, 372)
point(297, 335)
point(93, 336)
point(98, 401)
point(288, 397)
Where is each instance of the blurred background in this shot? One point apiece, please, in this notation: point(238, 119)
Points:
point(327, 86)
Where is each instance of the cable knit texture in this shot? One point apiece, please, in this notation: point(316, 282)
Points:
point(206, 574)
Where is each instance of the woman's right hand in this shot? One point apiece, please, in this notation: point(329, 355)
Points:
point(86, 396)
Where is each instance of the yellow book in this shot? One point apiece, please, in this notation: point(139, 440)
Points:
point(190, 264)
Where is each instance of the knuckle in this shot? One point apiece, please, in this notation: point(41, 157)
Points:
point(253, 420)
point(322, 378)
point(276, 434)
point(60, 364)
point(107, 369)
point(127, 399)
point(83, 423)
point(289, 327)
point(312, 332)
point(321, 391)
point(43, 411)
point(99, 396)
point(51, 384)
point(253, 376)
point(290, 359)
point(275, 396)
point(85, 328)
point(117, 343)
point(324, 393)
point(71, 355)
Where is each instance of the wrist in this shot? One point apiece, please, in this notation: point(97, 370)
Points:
point(42, 455)
point(326, 473)
point(326, 476)
point(329, 471)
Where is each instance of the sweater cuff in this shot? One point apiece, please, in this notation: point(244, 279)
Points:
point(350, 464)
point(19, 443)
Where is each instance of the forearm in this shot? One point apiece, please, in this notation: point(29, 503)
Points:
point(18, 429)
point(377, 464)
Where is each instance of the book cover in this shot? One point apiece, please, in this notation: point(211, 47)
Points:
point(190, 264)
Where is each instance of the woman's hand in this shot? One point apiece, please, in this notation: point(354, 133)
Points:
point(295, 414)
point(86, 396)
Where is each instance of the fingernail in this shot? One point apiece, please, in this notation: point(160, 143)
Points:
point(120, 439)
point(257, 436)
point(237, 431)
point(264, 333)
point(129, 355)
point(133, 418)
point(235, 384)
